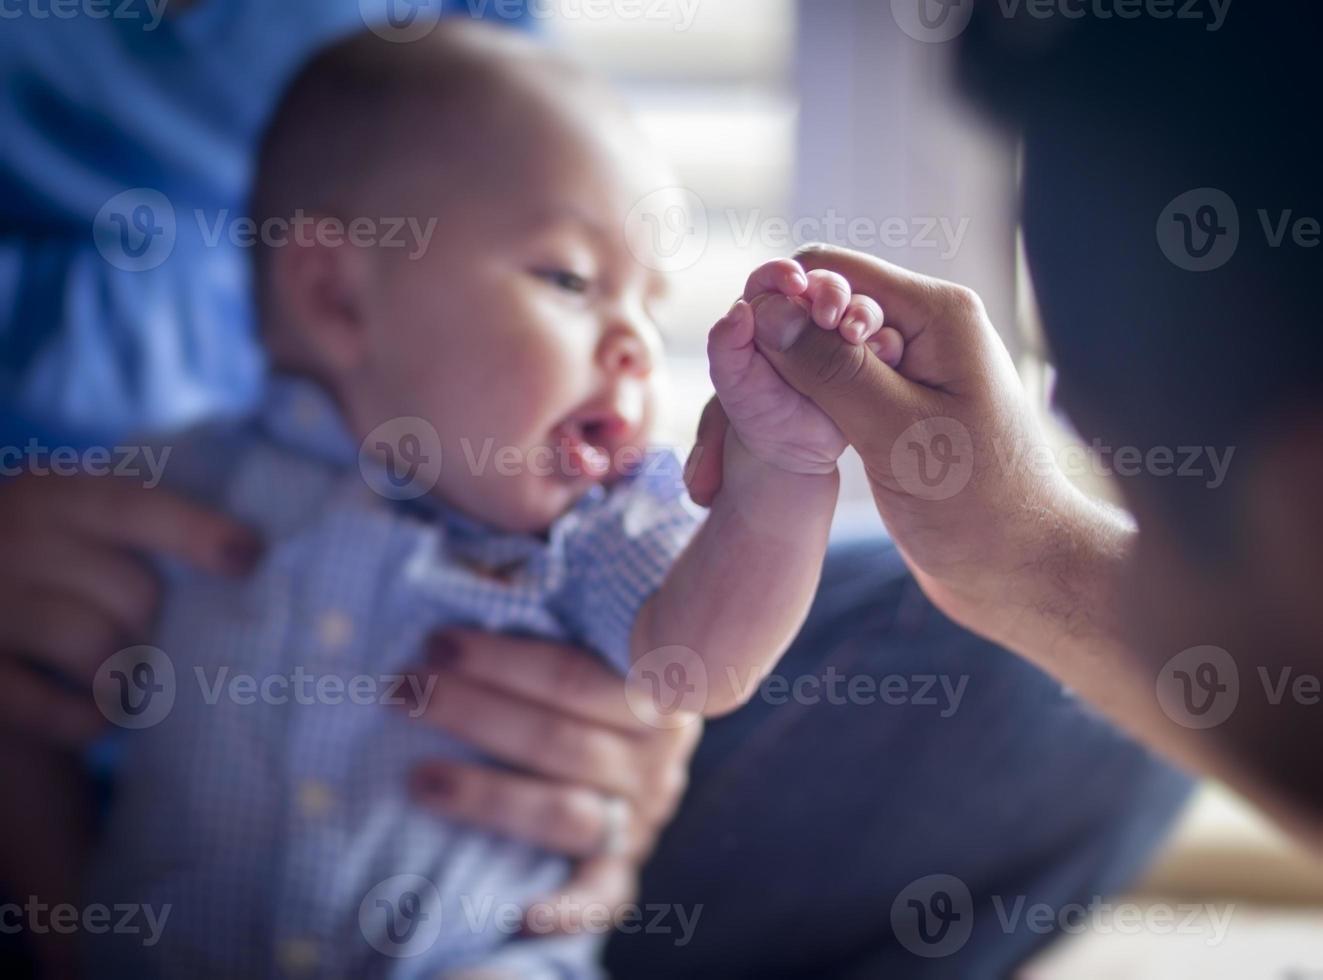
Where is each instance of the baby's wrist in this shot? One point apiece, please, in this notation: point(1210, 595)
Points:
point(745, 469)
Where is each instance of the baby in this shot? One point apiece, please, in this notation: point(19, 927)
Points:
point(380, 471)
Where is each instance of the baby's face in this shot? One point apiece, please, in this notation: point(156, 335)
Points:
point(525, 334)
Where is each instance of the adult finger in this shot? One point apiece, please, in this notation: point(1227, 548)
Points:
point(533, 737)
point(36, 705)
point(60, 632)
point(865, 397)
point(112, 580)
point(594, 898)
point(547, 674)
point(158, 520)
point(561, 817)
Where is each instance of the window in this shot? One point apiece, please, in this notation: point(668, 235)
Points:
point(716, 95)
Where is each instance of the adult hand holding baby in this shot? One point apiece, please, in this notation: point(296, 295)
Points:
point(588, 778)
point(933, 429)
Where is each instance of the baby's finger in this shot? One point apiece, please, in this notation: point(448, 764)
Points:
point(734, 330)
point(888, 345)
point(778, 276)
point(829, 295)
point(862, 319)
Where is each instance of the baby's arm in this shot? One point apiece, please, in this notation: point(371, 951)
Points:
point(739, 593)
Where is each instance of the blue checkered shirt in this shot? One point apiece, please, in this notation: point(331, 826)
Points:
point(277, 824)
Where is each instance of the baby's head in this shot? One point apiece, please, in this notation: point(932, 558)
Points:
point(523, 328)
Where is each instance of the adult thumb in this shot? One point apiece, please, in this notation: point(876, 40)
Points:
point(869, 401)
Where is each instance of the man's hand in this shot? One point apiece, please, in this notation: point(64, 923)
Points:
point(576, 770)
point(775, 422)
point(945, 436)
point(74, 588)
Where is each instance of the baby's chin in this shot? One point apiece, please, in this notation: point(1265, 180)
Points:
point(532, 501)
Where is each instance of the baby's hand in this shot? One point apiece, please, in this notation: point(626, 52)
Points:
point(775, 422)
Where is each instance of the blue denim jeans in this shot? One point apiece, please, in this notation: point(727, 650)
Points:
point(856, 773)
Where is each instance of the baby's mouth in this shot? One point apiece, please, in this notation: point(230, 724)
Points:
point(582, 450)
point(586, 443)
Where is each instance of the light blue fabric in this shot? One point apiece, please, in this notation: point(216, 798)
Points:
point(108, 117)
point(267, 822)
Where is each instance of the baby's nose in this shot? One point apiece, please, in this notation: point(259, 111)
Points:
point(623, 351)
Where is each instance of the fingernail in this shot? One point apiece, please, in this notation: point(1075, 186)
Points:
point(433, 782)
point(833, 313)
point(780, 322)
point(851, 327)
point(241, 554)
point(443, 650)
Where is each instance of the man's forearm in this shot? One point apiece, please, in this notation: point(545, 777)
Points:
point(740, 592)
point(1064, 615)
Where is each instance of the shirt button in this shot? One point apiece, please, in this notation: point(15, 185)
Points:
point(334, 630)
point(315, 798)
point(298, 957)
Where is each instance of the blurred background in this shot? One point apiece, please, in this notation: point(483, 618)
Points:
point(795, 121)
point(757, 103)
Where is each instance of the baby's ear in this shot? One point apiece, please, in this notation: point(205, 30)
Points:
point(320, 287)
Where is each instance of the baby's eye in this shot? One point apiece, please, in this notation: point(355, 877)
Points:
point(571, 282)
